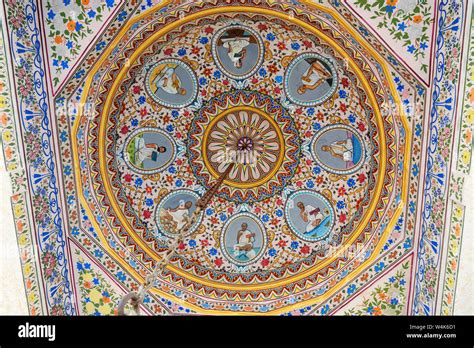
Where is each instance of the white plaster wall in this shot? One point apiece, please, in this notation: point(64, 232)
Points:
point(12, 291)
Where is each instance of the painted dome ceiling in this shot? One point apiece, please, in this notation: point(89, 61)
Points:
point(300, 128)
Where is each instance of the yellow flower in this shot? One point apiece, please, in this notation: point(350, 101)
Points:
point(18, 210)
point(95, 296)
point(23, 240)
point(27, 269)
point(31, 297)
point(7, 136)
point(90, 308)
point(105, 309)
point(466, 157)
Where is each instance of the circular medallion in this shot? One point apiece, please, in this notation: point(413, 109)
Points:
point(338, 149)
point(172, 83)
point(149, 150)
point(238, 51)
point(309, 215)
point(310, 79)
point(253, 132)
point(174, 213)
point(243, 240)
point(250, 139)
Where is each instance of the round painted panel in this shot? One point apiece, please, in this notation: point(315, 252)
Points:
point(310, 79)
point(172, 83)
point(338, 149)
point(309, 215)
point(174, 213)
point(238, 51)
point(149, 150)
point(244, 240)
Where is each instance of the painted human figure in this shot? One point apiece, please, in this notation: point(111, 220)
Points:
point(236, 49)
point(342, 149)
point(245, 240)
point(176, 218)
point(145, 151)
point(168, 80)
point(312, 216)
point(315, 76)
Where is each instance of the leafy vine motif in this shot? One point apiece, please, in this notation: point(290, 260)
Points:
point(388, 299)
point(408, 21)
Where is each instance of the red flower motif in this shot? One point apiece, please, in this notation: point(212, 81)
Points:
point(345, 82)
point(204, 242)
point(195, 50)
point(281, 46)
point(305, 249)
point(277, 90)
point(168, 51)
point(137, 89)
point(343, 107)
point(143, 112)
point(181, 246)
point(361, 178)
point(265, 262)
point(146, 214)
point(124, 130)
point(282, 243)
point(127, 178)
point(307, 43)
point(209, 30)
point(262, 27)
point(342, 218)
point(361, 126)
point(218, 262)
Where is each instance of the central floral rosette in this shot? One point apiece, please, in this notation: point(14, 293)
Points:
point(252, 131)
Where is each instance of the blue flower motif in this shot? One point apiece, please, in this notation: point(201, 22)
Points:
point(272, 252)
point(110, 3)
point(174, 113)
point(351, 182)
point(379, 267)
point(402, 26)
point(122, 15)
point(265, 218)
point(121, 276)
point(172, 170)
point(91, 13)
point(66, 2)
point(394, 301)
point(392, 279)
point(142, 99)
point(390, 9)
point(182, 52)
point(270, 37)
point(310, 184)
point(423, 45)
point(217, 74)
point(202, 81)
point(370, 310)
point(134, 122)
point(411, 49)
point(209, 211)
point(213, 252)
point(352, 288)
point(279, 213)
point(316, 126)
point(311, 111)
point(192, 243)
point(342, 94)
point(78, 26)
point(51, 14)
point(223, 217)
point(316, 170)
point(340, 205)
point(179, 183)
point(204, 40)
point(65, 64)
point(138, 182)
point(296, 46)
point(325, 310)
point(294, 245)
point(170, 128)
point(262, 72)
point(403, 282)
point(149, 202)
point(278, 79)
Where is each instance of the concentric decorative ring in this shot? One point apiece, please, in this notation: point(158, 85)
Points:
point(254, 132)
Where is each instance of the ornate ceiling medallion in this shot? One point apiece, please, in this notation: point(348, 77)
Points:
point(252, 131)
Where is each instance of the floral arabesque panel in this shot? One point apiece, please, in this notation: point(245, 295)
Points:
point(321, 145)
